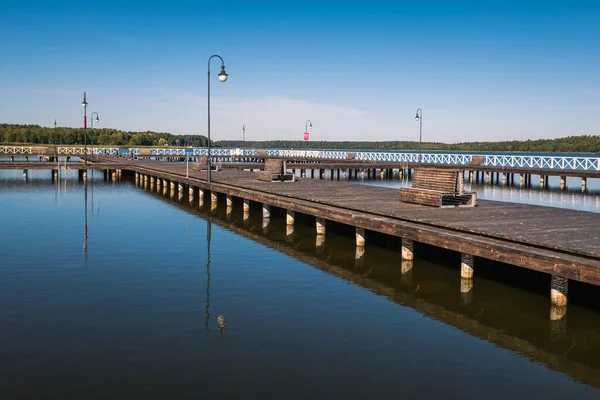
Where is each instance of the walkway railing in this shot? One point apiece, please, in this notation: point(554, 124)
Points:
point(556, 162)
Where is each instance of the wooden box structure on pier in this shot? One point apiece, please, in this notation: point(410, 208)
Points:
point(202, 164)
point(275, 171)
point(438, 188)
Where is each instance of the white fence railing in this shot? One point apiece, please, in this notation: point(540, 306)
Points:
point(555, 162)
point(17, 150)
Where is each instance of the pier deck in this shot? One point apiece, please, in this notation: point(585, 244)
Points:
point(553, 240)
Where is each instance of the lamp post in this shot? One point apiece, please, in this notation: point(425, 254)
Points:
point(419, 118)
point(244, 133)
point(307, 125)
point(222, 77)
point(97, 120)
point(84, 105)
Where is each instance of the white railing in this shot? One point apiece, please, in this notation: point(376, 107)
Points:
point(578, 163)
point(14, 150)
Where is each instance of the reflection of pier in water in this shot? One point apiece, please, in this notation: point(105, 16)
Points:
point(574, 352)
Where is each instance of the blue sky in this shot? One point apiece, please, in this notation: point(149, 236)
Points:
point(480, 70)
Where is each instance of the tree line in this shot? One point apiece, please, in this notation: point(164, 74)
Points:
point(571, 144)
point(35, 134)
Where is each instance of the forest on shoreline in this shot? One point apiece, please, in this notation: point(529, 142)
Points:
point(35, 134)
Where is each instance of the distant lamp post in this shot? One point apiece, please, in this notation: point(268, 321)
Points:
point(244, 133)
point(222, 77)
point(97, 119)
point(84, 104)
point(419, 118)
point(307, 125)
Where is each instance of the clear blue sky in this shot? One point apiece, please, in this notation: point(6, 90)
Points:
point(359, 70)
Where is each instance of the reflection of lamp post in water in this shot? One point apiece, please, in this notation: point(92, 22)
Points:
point(207, 308)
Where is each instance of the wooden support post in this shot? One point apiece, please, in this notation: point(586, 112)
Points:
point(114, 176)
point(542, 181)
point(191, 193)
point(504, 178)
point(466, 266)
point(487, 177)
point(320, 226)
point(158, 183)
point(558, 291)
point(137, 178)
point(266, 211)
point(360, 237)
point(563, 182)
point(25, 174)
point(229, 201)
point(165, 187)
point(583, 184)
point(213, 200)
point(180, 188)
point(289, 218)
point(172, 188)
point(407, 249)
point(521, 180)
point(470, 176)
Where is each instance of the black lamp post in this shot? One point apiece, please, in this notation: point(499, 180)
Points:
point(222, 77)
point(419, 117)
point(84, 104)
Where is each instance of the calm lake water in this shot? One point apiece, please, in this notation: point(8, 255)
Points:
point(158, 299)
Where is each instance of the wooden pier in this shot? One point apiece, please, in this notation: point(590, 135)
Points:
point(561, 243)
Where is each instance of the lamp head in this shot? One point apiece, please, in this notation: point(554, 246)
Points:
point(310, 124)
point(84, 103)
point(97, 119)
point(417, 117)
point(223, 75)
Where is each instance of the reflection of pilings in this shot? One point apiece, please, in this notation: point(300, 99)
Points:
point(359, 257)
point(320, 243)
point(466, 291)
point(265, 225)
point(558, 322)
point(213, 200)
point(289, 233)
point(473, 324)
point(406, 273)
